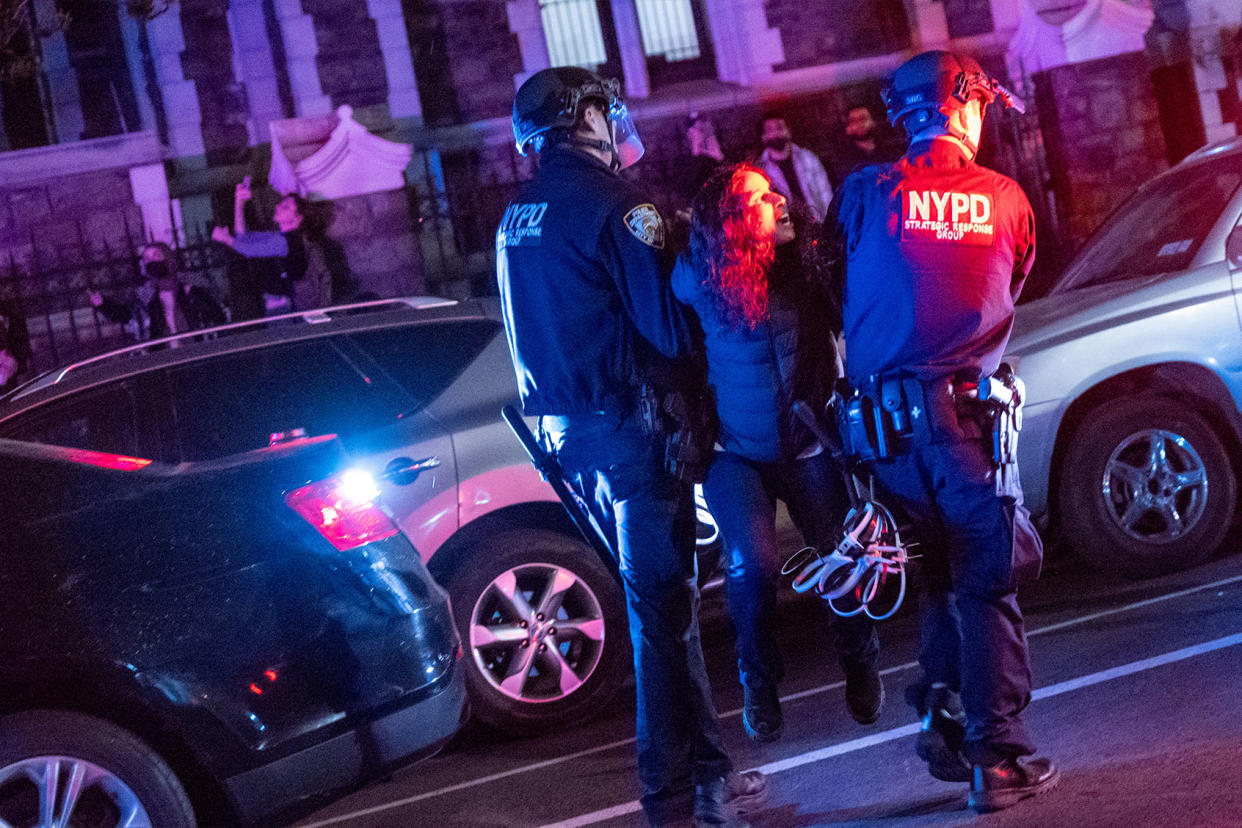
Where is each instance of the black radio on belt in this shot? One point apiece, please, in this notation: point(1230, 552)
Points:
point(876, 425)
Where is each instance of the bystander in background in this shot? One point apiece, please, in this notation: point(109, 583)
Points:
point(163, 304)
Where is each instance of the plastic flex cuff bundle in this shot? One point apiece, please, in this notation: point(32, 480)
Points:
point(866, 572)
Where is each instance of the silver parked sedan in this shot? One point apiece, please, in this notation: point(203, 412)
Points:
point(1133, 368)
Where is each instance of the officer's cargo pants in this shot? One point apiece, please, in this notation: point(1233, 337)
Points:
point(976, 548)
point(649, 518)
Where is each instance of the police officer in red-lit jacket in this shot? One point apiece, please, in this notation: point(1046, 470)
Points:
point(931, 252)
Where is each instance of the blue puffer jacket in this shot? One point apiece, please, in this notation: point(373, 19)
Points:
point(756, 375)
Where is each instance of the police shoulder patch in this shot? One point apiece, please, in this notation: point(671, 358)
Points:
point(645, 222)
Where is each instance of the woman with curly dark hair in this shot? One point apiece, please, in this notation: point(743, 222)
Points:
point(753, 274)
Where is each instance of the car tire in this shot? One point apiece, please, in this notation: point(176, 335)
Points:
point(119, 773)
point(1147, 488)
point(497, 596)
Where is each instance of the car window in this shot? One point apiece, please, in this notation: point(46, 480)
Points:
point(234, 403)
point(425, 359)
point(1159, 230)
point(100, 420)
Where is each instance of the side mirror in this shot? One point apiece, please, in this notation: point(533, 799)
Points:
point(1233, 248)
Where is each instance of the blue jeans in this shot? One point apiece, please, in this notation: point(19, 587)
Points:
point(977, 548)
point(648, 517)
point(742, 496)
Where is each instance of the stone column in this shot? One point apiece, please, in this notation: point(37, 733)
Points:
point(254, 68)
point(180, 98)
point(150, 186)
point(630, 46)
point(929, 28)
point(394, 41)
point(746, 48)
point(526, 21)
point(1098, 111)
point(298, 32)
point(1213, 25)
point(62, 81)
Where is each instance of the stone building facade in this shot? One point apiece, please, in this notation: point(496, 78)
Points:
point(190, 96)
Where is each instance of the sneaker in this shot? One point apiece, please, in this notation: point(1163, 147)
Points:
point(761, 714)
point(721, 802)
point(941, 740)
point(1007, 783)
point(864, 692)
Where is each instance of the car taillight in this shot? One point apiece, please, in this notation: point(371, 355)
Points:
point(343, 508)
point(106, 459)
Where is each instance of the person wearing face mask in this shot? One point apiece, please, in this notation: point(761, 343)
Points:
point(582, 267)
point(754, 277)
point(795, 172)
point(162, 305)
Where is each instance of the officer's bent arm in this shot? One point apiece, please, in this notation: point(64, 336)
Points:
point(633, 249)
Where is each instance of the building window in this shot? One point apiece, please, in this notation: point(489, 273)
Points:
point(97, 55)
point(674, 35)
point(676, 41)
point(668, 29)
point(574, 32)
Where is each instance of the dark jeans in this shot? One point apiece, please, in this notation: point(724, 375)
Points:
point(649, 519)
point(742, 496)
point(974, 546)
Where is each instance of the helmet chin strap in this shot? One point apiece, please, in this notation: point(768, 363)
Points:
point(600, 145)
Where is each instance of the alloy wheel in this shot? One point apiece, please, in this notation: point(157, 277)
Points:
point(1155, 486)
point(537, 632)
point(62, 791)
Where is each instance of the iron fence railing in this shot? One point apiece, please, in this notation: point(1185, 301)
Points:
point(45, 301)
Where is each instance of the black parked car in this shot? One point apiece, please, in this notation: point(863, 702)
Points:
point(214, 642)
point(413, 387)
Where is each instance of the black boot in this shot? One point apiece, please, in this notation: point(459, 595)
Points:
point(1004, 784)
point(940, 742)
point(761, 713)
point(864, 692)
point(721, 802)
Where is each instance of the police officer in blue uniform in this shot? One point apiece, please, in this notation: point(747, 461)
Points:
point(583, 271)
point(934, 250)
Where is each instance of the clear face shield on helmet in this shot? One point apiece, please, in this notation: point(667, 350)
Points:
point(625, 141)
point(627, 148)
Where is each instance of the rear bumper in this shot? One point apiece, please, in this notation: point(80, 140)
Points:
point(422, 725)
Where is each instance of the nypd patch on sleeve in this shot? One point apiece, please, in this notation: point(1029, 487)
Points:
point(645, 222)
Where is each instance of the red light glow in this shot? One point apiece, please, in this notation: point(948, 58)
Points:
point(256, 689)
point(343, 509)
point(106, 460)
point(271, 674)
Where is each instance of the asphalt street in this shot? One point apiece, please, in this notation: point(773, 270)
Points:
point(1137, 700)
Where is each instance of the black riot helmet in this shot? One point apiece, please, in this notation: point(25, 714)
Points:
point(929, 87)
point(552, 99)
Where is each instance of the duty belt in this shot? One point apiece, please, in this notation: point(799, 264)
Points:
point(891, 413)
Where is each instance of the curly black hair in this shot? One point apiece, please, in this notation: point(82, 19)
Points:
point(736, 268)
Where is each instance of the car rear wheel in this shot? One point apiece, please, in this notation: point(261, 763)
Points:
point(1147, 488)
point(71, 769)
point(545, 626)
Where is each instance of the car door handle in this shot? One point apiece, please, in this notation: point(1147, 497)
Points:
point(403, 471)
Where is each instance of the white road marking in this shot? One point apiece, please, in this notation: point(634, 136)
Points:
point(772, 768)
point(631, 807)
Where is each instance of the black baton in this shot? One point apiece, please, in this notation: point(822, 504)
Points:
point(572, 500)
point(831, 444)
